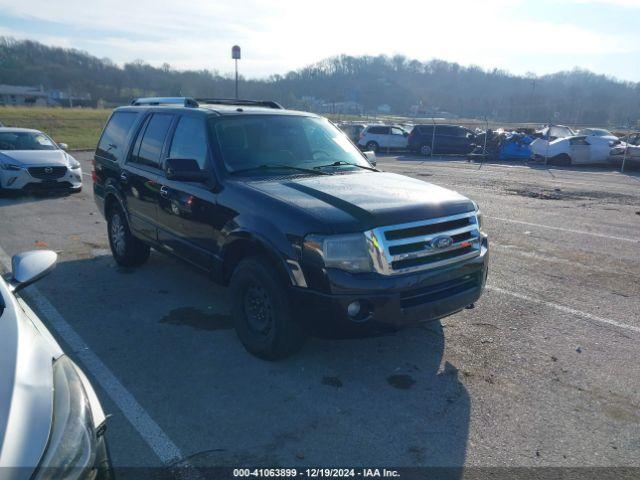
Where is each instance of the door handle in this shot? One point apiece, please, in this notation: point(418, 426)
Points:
point(164, 191)
point(124, 177)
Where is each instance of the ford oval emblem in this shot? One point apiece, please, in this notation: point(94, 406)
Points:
point(443, 241)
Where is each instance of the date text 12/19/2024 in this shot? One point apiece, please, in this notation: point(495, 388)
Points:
point(316, 472)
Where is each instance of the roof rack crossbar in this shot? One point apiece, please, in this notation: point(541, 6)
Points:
point(248, 103)
point(185, 101)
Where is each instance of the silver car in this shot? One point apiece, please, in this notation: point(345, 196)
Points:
point(29, 159)
point(51, 422)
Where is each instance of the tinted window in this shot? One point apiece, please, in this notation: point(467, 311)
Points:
point(153, 137)
point(190, 140)
point(379, 130)
point(426, 130)
point(112, 143)
point(453, 131)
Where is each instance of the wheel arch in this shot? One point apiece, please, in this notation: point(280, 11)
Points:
point(244, 245)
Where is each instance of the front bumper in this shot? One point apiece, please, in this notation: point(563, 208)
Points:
point(23, 180)
point(395, 301)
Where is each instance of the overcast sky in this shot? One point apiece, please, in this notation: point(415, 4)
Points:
point(276, 36)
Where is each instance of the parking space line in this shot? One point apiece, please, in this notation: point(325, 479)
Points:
point(565, 309)
point(165, 449)
point(569, 230)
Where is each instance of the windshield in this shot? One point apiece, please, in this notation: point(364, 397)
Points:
point(278, 141)
point(25, 141)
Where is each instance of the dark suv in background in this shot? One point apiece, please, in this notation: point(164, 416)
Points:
point(448, 139)
point(284, 209)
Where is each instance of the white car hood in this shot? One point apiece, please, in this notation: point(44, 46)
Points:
point(35, 157)
point(26, 389)
point(544, 148)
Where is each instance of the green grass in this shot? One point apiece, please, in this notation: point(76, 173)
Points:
point(78, 128)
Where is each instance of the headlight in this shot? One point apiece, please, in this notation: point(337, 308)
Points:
point(10, 166)
point(72, 441)
point(74, 164)
point(479, 219)
point(346, 252)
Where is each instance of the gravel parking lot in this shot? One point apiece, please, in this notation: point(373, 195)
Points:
point(543, 372)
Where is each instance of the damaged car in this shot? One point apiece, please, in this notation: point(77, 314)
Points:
point(573, 150)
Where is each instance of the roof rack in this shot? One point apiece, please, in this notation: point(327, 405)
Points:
point(184, 101)
point(247, 103)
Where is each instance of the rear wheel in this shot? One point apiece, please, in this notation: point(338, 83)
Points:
point(261, 311)
point(372, 147)
point(127, 250)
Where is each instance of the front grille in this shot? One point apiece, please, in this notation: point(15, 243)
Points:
point(433, 293)
point(47, 173)
point(422, 245)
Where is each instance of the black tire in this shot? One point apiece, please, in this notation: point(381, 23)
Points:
point(372, 147)
point(425, 150)
point(261, 311)
point(127, 250)
point(562, 160)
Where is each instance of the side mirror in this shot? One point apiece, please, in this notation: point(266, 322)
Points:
point(29, 267)
point(371, 158)
point(405, 134)
point(184, 169)
point(63, 146)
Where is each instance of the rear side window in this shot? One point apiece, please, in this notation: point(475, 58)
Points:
point(112, 142)
point(190, 140)
point(426, 130)
point(378, 130)
point(149, 148)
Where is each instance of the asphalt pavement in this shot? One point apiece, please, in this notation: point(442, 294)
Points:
point(544, 371)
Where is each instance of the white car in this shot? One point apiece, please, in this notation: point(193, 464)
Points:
point(383, 137)
point(51, 422)
point(576, 150)
point(30, 160)
point(599, 132)
point(628, 150)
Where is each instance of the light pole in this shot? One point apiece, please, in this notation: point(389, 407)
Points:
point(235, 54)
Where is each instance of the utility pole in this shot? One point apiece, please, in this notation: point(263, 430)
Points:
point(235, 54)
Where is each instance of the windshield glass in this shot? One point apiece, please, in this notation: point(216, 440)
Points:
point(280, 141)
point(598, 132)
point(25, 141)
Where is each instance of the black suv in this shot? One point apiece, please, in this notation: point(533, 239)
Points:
point(283, 208)
point(448, 139)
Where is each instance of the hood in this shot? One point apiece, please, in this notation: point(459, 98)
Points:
point(26, 389)
point(361, 201)
point(35, 157)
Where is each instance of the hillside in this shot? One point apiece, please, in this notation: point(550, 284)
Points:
point(361, 84)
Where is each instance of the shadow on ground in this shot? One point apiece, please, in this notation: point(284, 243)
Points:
point(164, 331)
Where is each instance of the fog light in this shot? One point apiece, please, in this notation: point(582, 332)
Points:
point(353, 309)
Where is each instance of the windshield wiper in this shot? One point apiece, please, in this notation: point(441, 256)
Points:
point(342, 162)
point(278, 166)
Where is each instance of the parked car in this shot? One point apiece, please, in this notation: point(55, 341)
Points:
point(383, 137)
point(30, 160)
point(352, 130)
point(601, 133)
point(448, 139)
point(574, 150)
point(281, 207)
point(51, 422)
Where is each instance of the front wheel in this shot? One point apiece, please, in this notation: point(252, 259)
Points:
point(372, 147)
point(261, 311)
point(127, 250)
